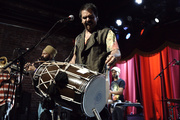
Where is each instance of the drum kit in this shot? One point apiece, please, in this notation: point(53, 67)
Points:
point(79, 89)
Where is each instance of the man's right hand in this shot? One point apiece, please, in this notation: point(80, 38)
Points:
point(29, 67)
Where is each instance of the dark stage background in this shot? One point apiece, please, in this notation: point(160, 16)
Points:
point(23, 23)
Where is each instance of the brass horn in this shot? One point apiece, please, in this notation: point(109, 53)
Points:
point(3, 61)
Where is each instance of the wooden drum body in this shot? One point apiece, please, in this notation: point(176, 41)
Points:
point(78, 88)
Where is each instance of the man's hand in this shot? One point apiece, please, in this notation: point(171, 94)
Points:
point(29, 67)
point(112, 58)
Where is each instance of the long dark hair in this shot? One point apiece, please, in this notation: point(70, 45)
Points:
point(89, 6)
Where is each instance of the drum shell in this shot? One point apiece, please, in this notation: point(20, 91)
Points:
point(73, 94)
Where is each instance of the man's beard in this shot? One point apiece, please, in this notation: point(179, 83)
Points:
point(45, 58)
point(88, 23)
point(90, 26)
point(115, 76)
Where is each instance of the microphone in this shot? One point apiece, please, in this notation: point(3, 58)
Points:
point(21, 49)
point(176, 63)
point(67, 19)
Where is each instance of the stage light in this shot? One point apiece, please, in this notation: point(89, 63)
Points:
point(142, 31)
point(138, 1)
point(125, 28)
point(128, 35)
point(129, 18)
point(156, 20)
point(118, 22)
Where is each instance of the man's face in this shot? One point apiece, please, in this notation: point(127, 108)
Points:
point(114, 74)
point(45, 56)
point(89, 19)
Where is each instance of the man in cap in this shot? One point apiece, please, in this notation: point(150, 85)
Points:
point(48, 54)
point(117, 88)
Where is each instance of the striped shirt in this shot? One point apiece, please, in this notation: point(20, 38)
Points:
point(7, 89)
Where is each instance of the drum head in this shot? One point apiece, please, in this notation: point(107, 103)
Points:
point(94, 96)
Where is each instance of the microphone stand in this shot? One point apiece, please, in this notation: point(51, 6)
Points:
point(160, 74)
point(20, 58)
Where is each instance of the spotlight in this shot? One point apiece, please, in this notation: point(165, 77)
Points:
point(118, 22)
point(156, 20)
point(125, 28)
point(142, 31)
point(138, 1)
point(129, 18)
point(128, 35)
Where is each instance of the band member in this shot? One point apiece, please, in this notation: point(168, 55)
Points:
point(7, 89)
point(48, 55)
point(117, 88)
point(96, 46)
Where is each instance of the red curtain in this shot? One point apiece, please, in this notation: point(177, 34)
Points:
point(149, 80)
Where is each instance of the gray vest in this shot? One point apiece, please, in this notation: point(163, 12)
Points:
point(94, 53)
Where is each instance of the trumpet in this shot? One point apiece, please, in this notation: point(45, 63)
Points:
point(3, 61)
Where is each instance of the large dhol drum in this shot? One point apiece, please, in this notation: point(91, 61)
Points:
point(79, 88)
